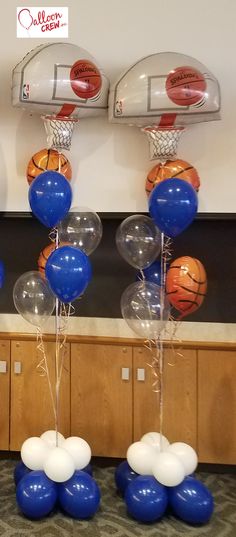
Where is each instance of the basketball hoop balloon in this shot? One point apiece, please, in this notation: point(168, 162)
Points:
point(162, 94)
point(62, 82)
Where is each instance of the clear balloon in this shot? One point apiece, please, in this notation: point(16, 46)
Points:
point(138, 241)
point(81, 227)
point(33, 298)
point(142, 309)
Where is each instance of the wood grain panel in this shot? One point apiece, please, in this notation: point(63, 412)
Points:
point(5, 396)
point(217, 406)
point(31, 408)
point(101, 402)
point(180, 403)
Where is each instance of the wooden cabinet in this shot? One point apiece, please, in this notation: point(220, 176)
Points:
point(4, 393)
point(101, 401)
point(31, 408)
point(217, 406)
point(107, 396)
point(179, 391)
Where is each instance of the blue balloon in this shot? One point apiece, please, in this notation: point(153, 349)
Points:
point(88, 469)
point(2, 274)
point(191, 501)
point(68, 271)
point(173, 205)
point(79, 496)
point(20, 471)
point(50, 197)
point(146, 499)
point(123, 476)
point(36, 495)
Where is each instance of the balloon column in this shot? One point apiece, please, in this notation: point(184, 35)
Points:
point(64, 82)
point(162, 94)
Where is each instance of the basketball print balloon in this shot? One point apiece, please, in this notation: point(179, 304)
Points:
point(186, 86)
point(186, 284)
point(48, 159)
point(45, 253)
point(85, 79)
point(172, 168)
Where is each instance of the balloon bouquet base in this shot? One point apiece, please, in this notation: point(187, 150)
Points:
point(158, 476)
point(56, 472)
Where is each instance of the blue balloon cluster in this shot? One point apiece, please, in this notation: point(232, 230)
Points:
point(37, 495)
point(147, 500)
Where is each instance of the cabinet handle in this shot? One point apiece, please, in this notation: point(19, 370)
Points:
point(17, 368)
point(3, 366)
point(125, 373)
point(140, 374)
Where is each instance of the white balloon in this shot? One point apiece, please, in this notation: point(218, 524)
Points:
point(59, 465)
point(79, 450)
point(34, 451)
point(141, 457)
point(168, 469)
point(50, 438)
point(186, 455)
point(154, 439)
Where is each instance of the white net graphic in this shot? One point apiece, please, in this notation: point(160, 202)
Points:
point(163, 142)
point(59, 131)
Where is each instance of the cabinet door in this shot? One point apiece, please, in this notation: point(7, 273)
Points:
point(31, 408)
point(217, 406)
point(4, 393)
point(179, 393)
point(101, 402)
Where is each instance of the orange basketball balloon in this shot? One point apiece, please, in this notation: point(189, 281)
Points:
point(172, 168)
point(45, 253)
point(48, 159)
point(186, 284)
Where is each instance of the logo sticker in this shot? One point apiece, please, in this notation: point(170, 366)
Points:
point(46, 22)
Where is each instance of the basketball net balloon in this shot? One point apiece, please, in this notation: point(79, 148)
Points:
point(163, 138)
point(59, 131)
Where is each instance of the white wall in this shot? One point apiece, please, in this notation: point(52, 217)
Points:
point(110, 162)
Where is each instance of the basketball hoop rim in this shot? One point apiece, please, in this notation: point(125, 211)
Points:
point(60, 118)
point(156, 128)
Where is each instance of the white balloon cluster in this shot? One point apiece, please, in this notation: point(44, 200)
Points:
point(56, 456)
point(168, 463)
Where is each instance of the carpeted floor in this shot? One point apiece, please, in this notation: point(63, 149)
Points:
point(111, 519)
